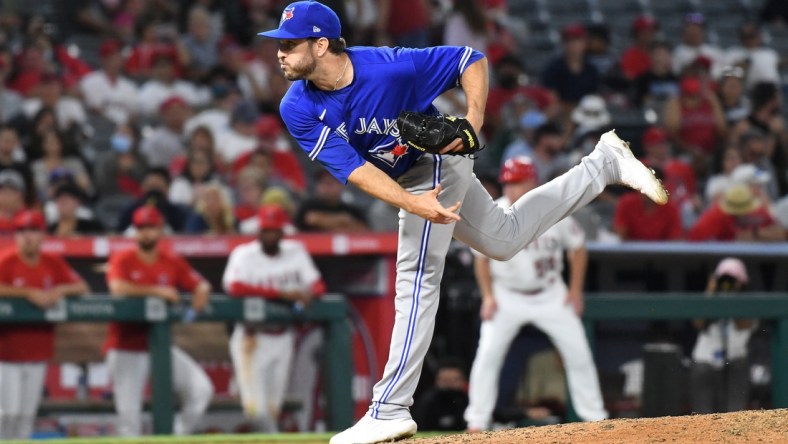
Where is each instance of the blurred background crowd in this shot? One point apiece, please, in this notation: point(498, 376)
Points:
point(110, 104)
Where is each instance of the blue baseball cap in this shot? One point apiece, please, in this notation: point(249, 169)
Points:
point(306, 19)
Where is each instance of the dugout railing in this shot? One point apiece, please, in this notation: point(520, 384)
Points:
point(330, 311)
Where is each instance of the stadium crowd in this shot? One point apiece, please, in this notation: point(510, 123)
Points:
point(107, 106)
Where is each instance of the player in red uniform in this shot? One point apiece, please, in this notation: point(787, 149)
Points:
point(149, 271)
point(43, 279)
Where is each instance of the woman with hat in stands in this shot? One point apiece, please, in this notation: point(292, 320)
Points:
point(737, 216)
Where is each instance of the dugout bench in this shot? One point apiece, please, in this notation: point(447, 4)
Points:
point(330, 311)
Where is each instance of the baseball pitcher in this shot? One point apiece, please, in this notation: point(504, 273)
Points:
point(262, 353)
point(366, 115)
point(529, 288)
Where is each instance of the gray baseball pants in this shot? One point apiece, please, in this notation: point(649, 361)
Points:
point(486, 227)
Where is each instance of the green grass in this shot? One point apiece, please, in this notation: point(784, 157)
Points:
point(283, 438)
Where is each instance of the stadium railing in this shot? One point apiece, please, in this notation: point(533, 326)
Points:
point(330, 311)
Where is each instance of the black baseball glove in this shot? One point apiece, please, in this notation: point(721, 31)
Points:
point(431, 134)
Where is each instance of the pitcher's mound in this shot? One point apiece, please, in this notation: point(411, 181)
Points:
point(753, 426)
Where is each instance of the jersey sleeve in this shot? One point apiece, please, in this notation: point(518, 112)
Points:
point(116, 269)
point(188, 277)
point(439, 68)
point(572, 235)
point(233, 271)
point(319, 141)
point(65, 274)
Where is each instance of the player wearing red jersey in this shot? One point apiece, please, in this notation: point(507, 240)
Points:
point(150, 271)
point(43, 279)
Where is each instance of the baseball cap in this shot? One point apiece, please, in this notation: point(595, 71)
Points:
point(695, 18)
point(12, 179)
point(654, 135)
point(644, 22)
point(70, 189)
point(306, 19)
point(272, 217)
point(517, 169)
point(268, 126)
point(171, 101)
point(147, 215)
point(110, 47)
point(732, 267)
point(690, 86)
point(29, 220)
point(573, 31)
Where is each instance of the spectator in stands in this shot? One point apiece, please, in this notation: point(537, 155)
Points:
point(693, 44)
point(679, 178)
point(149, 270)
point(12, 199)
point(548, 152)
point(225, 96)
point(213, 211)
point(199, 140)
point(717, 184)
point(42, 123)
point(766, 102)
point(735, 104)
point(155, 41)
point(119, 171)
point(10, 101)
point(658, 84)
point(466, 25)
point(638, 219)
point(755, 151)
point(570, 75)
point(403, 23)
point(240, 137)
point(636, 59)
point(760, 62)
point(43, 279)
point(599, 53)
point(201, 42)
point(737, 216)
point(720, 372)
point(11, 155)
point(198, 173)
point(326, 211)
point(441, 408)
point(68, 198)
point(250, 184)
point(275, 156)
point(107, 91)
point(589, 121)
point(527, 119)
point(55, 161)
point(69, 113)
point(165, 142)
point(261, 77)
point(695, 122)
point(510, 83)
point(164, 84)
point(155, 188)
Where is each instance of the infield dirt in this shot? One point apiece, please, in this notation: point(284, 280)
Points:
point(752, 426)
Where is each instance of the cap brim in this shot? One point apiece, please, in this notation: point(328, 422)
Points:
point(280, 34)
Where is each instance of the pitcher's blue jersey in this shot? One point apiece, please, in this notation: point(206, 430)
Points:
point(342, 129)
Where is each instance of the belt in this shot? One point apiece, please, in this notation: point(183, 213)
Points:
point(533, 292)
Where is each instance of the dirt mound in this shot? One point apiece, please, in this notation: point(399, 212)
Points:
point(761, 426)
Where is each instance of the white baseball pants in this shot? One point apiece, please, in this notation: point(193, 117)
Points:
point(21, 387)
point(549, 313)
point(129, 372)
point(495, 232)
point(262, 365)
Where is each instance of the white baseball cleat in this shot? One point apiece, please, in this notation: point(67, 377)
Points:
point(369, 430)
point(631, 172)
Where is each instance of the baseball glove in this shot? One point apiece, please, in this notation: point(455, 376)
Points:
point(433, 133)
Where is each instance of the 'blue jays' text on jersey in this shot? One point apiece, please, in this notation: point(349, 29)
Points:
point(344, 128)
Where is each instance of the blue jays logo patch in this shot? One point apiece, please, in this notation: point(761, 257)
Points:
point(287, 14)
point(388, 153)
